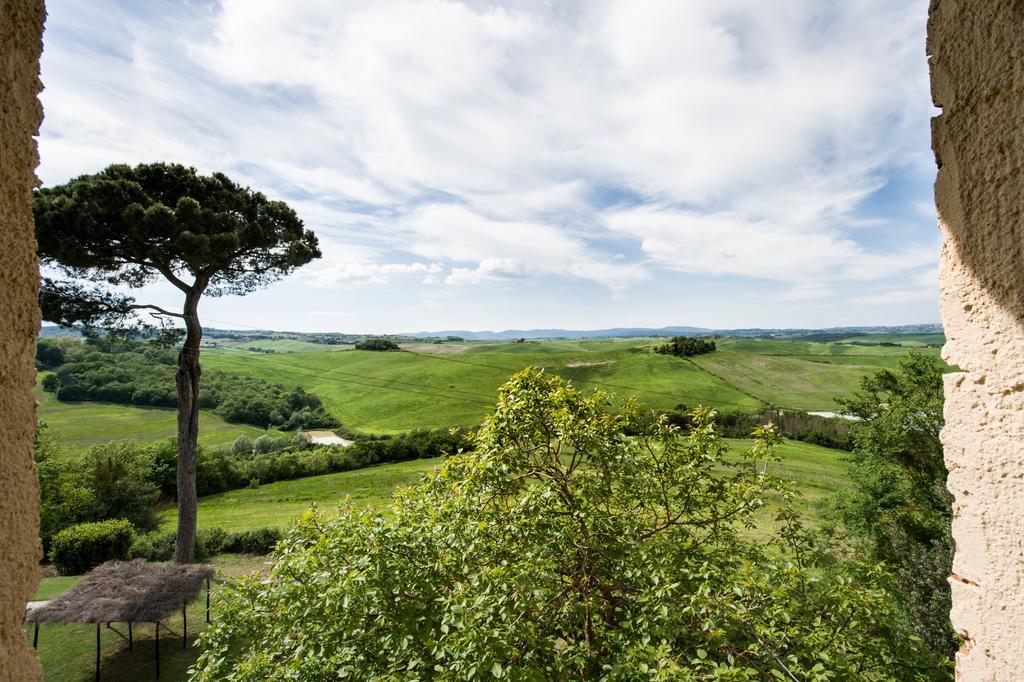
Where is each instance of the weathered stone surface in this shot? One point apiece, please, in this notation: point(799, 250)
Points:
point(21, 26)
point(977, 68)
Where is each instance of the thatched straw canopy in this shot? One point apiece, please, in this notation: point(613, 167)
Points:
point(125, 591)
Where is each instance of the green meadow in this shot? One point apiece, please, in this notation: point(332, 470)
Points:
point(82, 424)
point(455, 384)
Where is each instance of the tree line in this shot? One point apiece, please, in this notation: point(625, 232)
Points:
point(143, 373)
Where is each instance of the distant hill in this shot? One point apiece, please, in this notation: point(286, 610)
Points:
point(619, 332)
point(822, 335)
point(627, 332)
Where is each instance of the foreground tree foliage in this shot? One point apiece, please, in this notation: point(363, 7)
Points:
point(898, 509)
point(129, 226)
point(572, 543)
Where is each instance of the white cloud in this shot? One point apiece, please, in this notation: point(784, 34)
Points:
point(504, 249)
point(733, 244)
point(489, 268)
point(713, 137)
point(368, 273)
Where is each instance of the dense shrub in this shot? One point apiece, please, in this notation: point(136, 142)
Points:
point(140, 373)
point(898, 508)
point(209, 543)
point(125, 479)
point(50, 383)
point(377, 344)
point(562, 549)
point(255, 541)
point(157, 547)
point(685, 346)
point(49, 354)
point(78, 548)
point(115, 480)
point(243, 445)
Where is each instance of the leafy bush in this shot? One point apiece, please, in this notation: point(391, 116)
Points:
point(898, 509)
point(242, 446)
point(155, 547)
point(263, 444)
point(115, 480)
point(125, 479)
point(831, 432)
point(49, 354)
point(255, 541)
point(78, 548)
point(50, 383)
point(209, 543)
point(377, 345)
point(561, 548)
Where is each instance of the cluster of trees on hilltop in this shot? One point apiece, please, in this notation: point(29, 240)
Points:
point(685, 346)
point(137, 373)
point(377, 344)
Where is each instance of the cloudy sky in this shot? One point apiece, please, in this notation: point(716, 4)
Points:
point(492, 165)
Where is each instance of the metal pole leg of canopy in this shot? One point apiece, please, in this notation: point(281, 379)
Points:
point(158, 650)
point(207, 601)
point(184, 626)
point(97, 652)
point(130, 636)
point(35, 637)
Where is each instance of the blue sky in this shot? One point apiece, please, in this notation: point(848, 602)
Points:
point(492, 165)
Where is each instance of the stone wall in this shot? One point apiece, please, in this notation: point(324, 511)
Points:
point(976, 49)
point(21, 26)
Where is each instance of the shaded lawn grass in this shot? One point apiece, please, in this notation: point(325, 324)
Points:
point(68, 652)
point(83, 424)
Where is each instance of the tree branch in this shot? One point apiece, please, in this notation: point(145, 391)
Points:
point(159, 310)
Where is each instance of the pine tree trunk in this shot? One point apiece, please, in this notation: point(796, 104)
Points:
point(187, 379)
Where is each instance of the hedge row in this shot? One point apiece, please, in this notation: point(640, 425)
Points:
point(209, 543)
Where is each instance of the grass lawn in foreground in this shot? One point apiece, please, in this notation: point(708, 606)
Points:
point(68, 652)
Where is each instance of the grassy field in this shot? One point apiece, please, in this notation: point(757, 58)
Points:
point(392, 392)
point(277, 345)
point(910, 340)
point(443, 385)
point(278, 504)
point(84, 424)
point(818, 472)
point(797, 374)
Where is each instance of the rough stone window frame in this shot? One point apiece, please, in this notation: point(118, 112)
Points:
point(976, 53)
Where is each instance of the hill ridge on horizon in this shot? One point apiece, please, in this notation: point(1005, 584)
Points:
point(560, 333)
